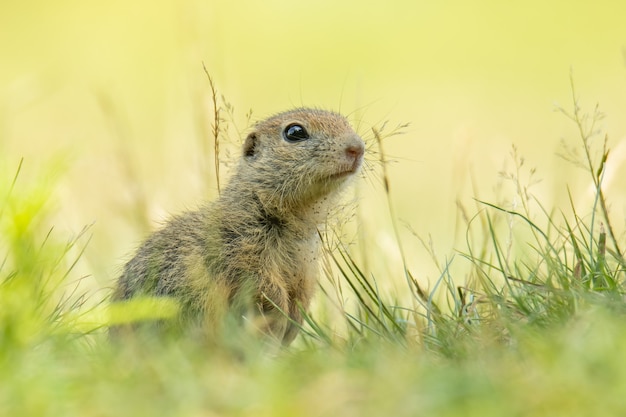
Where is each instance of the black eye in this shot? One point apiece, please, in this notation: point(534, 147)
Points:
point(295, 133)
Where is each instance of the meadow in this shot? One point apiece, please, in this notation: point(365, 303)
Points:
point(533, 325)
point(476, 266)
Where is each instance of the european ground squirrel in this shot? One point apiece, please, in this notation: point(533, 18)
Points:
point(253, 252)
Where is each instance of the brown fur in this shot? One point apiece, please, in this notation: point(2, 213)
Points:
point(253, 252)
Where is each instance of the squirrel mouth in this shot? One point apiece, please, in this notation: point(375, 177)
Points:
point(342, 174)
point(346, 171)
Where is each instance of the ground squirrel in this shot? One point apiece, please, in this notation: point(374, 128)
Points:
point(253, 252)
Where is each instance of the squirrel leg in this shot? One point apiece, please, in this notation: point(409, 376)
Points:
point(273, 307)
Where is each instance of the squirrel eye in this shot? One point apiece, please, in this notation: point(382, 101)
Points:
point(295, 133)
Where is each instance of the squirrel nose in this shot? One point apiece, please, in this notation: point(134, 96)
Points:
point(355, 150)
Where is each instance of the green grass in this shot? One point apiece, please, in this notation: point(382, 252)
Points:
point(535, 325)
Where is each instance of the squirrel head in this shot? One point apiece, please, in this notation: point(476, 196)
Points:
point(299, 157)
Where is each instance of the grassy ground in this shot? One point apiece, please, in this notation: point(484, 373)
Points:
point(534, 324)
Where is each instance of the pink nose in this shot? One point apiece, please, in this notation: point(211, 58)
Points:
point(355, 150)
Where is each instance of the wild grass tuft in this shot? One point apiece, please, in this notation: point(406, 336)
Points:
point(565, 265)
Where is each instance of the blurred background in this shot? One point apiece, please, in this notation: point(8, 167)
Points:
point(110, 103)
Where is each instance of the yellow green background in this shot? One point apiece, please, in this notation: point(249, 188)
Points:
point(116, 92)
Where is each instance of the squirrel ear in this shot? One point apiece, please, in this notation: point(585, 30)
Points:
point(249, 146)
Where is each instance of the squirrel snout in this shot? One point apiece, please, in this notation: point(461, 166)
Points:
point(355, 150)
